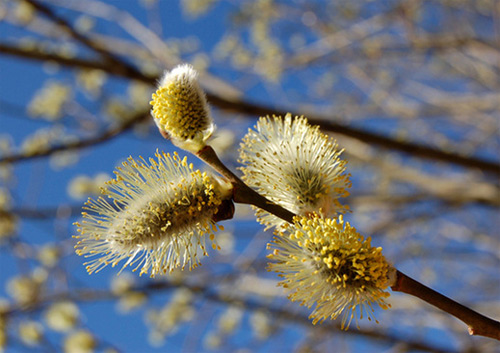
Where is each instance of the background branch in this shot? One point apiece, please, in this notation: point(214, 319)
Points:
point(253, 109)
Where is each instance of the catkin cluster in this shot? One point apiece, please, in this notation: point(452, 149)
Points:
point(157, 215)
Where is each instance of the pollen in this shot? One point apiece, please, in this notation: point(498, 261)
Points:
point(327, 263)
point(180, 109)
point(296, 166)
point(155, 217)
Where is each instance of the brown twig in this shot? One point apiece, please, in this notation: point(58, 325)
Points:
point(78, 144)
point(478, 324)
point(40, 55)
point(241, 192)
point(121, 64)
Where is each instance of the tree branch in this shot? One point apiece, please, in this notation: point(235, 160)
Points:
point(107, 135)
point(106, 54)
point(208, 292)
point(35, 54)
point(241, 192)
point(254, 109)
point(478, 324)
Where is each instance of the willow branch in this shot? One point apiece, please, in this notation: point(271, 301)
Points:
point(327, 124)
point(241, 192)
point(74, 145)
point(39, 55)
point(207, 291)
point(478, 324)
point(60, 21)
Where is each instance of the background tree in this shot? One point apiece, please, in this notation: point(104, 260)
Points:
point(410, 90)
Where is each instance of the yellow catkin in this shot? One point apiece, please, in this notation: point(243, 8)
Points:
point(180, 109)
point(327, 263)
point(296, 166)
point(157, 220)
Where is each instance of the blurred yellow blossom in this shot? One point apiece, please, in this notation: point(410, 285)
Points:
point(49, 101)
point(83, 186)
point(62, 316)
point(230, 319)
point(25, 290)
point(81, 341)
point(63, 159)
point(41, 140)
point(5, 198)
point(49, 255)
point(118, 110)
point(131, 301)
point(260, 321)
point(122, 284)
point(92, 80)
point(196, 8)
point(138, 94)
point(30, 332)
point(167, 320)
point(212, 340)
point(24, 12)
point(84, 23)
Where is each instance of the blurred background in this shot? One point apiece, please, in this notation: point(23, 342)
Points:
point(410, 90)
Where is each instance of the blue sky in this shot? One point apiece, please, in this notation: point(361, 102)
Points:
point(38, 184)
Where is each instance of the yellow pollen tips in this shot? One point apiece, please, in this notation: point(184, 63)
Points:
point(327, 263)
point(295, 165)
point(157, 219)
point(180, 109)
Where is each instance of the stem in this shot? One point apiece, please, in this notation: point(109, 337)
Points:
point(478, 324)
point(242, 193)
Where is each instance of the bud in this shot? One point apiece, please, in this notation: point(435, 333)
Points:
point(180, 109)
